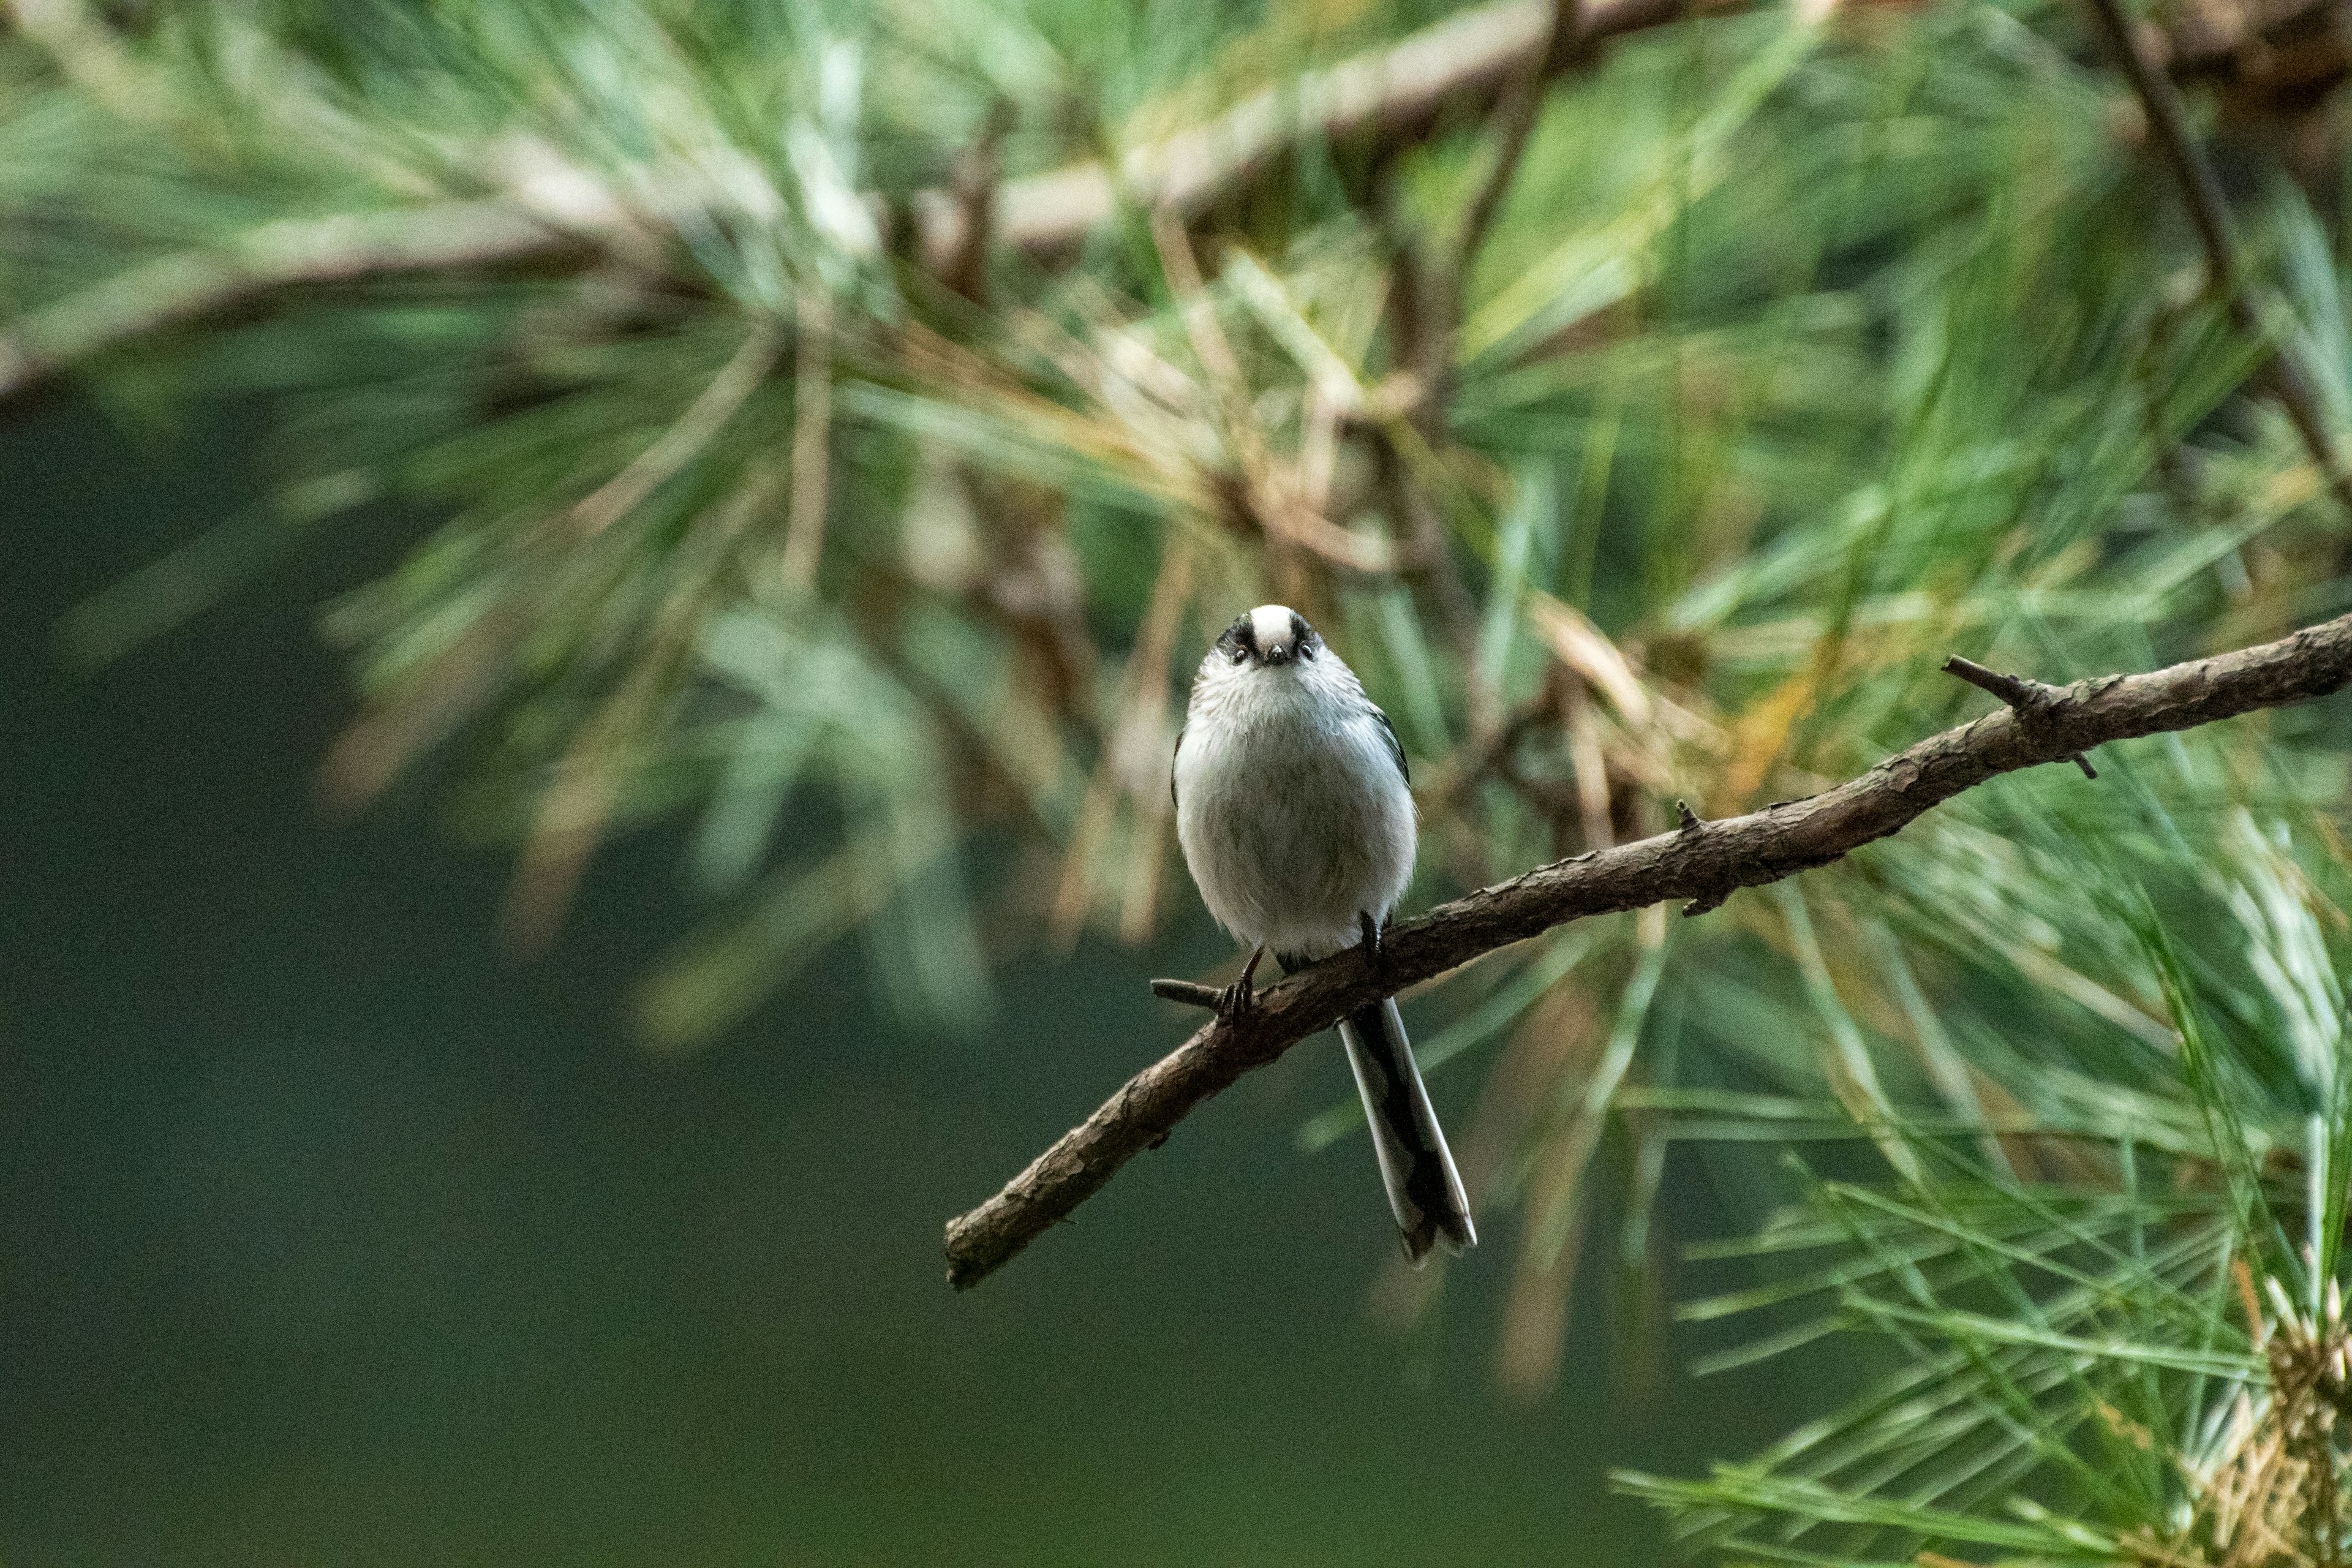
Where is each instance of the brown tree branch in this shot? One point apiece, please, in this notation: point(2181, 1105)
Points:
point(1700, 861)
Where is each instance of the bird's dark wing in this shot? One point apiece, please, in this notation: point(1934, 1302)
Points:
point(1396, 747)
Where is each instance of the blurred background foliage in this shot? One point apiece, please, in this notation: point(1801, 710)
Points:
point(848, 421)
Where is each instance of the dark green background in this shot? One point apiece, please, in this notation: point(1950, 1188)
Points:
point(329, 1236)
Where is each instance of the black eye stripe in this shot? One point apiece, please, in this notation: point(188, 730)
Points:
point(1237, 641)
point(1240, 639)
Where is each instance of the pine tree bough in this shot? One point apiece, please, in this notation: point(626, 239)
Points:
point(1391, 96)
point(272, 258)
point(1702, 862)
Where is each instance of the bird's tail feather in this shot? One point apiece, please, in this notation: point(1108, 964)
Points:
point(1424, 1188)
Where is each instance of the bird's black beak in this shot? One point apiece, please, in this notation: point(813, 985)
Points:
point(1278, 653)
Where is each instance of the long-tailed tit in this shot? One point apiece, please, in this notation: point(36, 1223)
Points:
point(1296, 819)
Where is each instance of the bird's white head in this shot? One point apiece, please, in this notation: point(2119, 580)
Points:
point(1269, 636)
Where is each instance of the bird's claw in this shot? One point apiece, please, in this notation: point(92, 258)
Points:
point(1372, 930)
point(1240, 996)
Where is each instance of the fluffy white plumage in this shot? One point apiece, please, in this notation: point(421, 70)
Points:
point(1292, 804)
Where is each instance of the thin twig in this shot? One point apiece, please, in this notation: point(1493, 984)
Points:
point(2210, 213)
point(1515, 122)
point(2030, 699)
point(2012, 692)
point(1707, 861)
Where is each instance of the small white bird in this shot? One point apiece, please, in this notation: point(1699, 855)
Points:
point(1296, 819)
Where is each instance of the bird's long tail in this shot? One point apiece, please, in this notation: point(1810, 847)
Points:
point(1424, 1189)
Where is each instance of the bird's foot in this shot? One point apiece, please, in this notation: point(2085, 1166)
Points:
point(1372, 930)
point(1240, 996)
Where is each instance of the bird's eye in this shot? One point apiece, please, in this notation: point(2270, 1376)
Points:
point(1240, 655)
